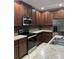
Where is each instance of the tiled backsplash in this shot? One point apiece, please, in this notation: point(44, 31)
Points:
point(35, 28)
point(16, 29)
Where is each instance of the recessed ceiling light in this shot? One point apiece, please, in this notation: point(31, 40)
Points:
point(42, 8)
point(60, 4)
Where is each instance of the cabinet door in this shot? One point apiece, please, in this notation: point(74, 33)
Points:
point(47, 36)
point(49, 19)
point(39, 38)
point(59, 14)
point(22, 47)
point(19, 11)
point(46, 18)
point(29, 11)
point(33, 17)
point(17, 14)
point(16, 56)
point(44, 37)
point(38, 18)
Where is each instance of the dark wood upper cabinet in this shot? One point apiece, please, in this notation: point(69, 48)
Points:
point(59, 14)
point(16, 14)
point(21, 9)
point(45, 18)
point(41, 18)
point(29, 11)
point(38, 17)
point(33, 17)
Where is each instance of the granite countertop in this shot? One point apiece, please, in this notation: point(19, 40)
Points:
point(47, 51)
point(19, 37)
point(38, 31)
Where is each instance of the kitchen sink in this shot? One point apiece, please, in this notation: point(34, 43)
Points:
point(57, 40)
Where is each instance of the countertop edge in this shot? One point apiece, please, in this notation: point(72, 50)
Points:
point(19, 37)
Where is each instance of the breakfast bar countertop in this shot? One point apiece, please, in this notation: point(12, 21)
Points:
point(38, 31)
point(46, 51)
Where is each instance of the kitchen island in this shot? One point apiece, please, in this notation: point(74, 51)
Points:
point(47, 51)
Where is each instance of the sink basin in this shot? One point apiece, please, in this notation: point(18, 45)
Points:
point(57, 40)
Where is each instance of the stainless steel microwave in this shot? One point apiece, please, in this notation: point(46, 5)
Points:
point(27, 20)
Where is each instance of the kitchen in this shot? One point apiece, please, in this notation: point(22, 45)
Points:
point(46, 21)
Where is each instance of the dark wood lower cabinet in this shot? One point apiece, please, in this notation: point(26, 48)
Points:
point(43, 37)
point(20, 48)
point(16, 56)
point(47, 36)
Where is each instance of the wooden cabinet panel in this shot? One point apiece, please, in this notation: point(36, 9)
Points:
point(38, 18)
point(39, 38)
point(29, 11)
point(16, 12)
point(25, 10)
point(43, 37)
point(16, 52)
point(47, 36)
point(22, 47)
point(34, 17)
point(16, 55)
point(46, 17)
point(42, 20)
point(21, 9)
point(59, 14)
point(50, 18)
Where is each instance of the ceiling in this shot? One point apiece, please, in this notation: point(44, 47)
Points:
point(46, 4)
